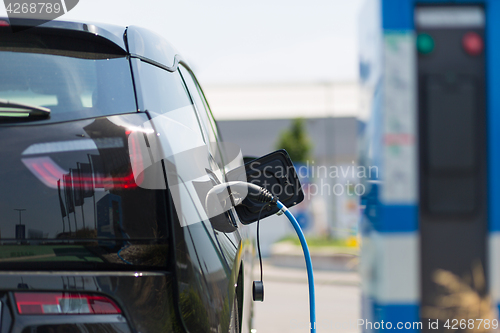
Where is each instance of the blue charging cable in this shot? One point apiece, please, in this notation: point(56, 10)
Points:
point(263, 195)
point(307, 257)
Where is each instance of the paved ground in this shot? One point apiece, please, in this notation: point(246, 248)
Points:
point(286, 305)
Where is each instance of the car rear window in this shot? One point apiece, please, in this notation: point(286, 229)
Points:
point(67, 75)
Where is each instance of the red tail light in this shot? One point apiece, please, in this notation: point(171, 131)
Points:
point(64, 303)
point(49, 172)
point(4, 23)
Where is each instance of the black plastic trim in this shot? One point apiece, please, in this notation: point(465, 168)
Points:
point(173, 68)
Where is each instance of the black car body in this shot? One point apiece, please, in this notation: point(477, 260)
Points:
point(91, 239)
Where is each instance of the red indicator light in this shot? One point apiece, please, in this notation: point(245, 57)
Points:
point(64, 303)
point(472, 44)
point(4, 23)
point(398, 139)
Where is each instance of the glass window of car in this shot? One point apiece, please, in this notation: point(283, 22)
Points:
point(207, 122)
point(70, 87)
point(208, 130)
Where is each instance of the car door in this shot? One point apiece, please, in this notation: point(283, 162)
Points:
point(229, 239)
point(237, 244)
point(203, 259)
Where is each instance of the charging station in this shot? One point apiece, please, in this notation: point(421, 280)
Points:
point(430, 73)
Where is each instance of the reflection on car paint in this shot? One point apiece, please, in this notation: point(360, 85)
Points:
point(89, 188)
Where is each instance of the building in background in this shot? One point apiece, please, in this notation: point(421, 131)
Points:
point(254, 115)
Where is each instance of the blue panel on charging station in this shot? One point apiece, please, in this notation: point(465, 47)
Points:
point(493, 86)
point(397, 14)
point(400, 316)
point(397, 218)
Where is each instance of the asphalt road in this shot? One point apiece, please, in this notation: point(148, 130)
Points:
point(286, 303)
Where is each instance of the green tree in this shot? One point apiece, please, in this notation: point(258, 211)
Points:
point(296, 141)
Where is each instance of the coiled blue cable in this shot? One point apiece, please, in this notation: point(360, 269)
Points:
point(119, 256)
point(307, 257)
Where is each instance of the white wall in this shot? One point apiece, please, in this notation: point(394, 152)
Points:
point(287, 100)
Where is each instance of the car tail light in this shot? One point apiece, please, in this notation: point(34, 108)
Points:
point(64, 303)
point(4, 23)
point(49, 173)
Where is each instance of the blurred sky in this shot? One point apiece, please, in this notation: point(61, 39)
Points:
point(246, 41)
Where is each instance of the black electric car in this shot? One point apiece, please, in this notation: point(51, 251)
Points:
point(109, 163)
point(91, 238)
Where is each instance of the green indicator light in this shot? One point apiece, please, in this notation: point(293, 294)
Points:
point(425, 43)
